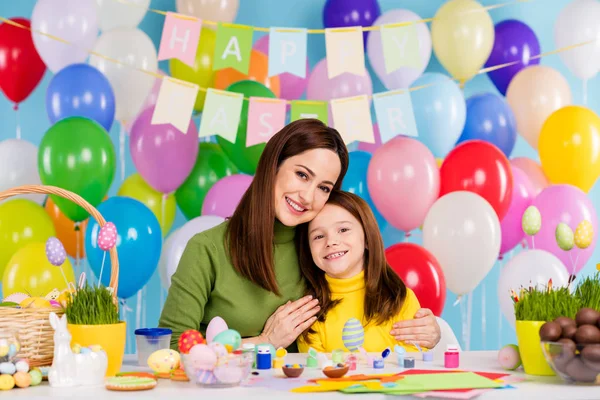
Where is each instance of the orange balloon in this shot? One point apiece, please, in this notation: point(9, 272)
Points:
point(65, 230)
point(258, 71)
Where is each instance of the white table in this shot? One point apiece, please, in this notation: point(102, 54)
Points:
point(545, 388)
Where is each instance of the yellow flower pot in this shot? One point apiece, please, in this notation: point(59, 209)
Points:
point(530, 348)
point(110, 337)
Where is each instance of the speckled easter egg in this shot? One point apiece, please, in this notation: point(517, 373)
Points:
point(163, 361)
point(532, 220)
point(353, 334)
point(189, 339)
point(36, 376)
point(230, 338)
point(509, 357)
point(215, 326)
point(584, 234)
point(564, 236)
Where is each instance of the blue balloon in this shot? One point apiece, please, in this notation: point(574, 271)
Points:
point(139, 244)
point(80, 90)
point(392, 236)
point(344, 13)
point(490, 118)
point(440, 112)
point(355, 182)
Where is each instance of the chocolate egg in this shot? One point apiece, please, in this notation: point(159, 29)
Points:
point(587, 316)
point(587, 334)
point(590, 355)
point(550, 331)
point(565, 321)
point(569, 348)
point(569, 331)
point(580, 372)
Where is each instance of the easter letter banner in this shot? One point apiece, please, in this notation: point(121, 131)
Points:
point(233, 47)
point(309, 109)
point(287, 51)
point(180, 37)
point(265, 118)
point(394, 112)
point(175, 103)
point(221, 116)
point(345, 51)
point(352, 118)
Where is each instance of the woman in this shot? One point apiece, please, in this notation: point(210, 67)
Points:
point(246, 269)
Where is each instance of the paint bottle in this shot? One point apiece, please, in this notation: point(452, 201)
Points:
point(249, 353)
point(451, 359)
point(263, 357)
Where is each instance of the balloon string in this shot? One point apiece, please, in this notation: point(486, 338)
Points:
point(101, 269)
point(469, 319)
point(122, 150)
point(65, 277)
point(138, 310)
point(16, 108)
point(500, 262)
point(532, 242)
point(144, 313)
point(483, 317)
point(163, 207)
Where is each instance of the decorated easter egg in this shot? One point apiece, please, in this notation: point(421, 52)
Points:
point(509, 357)
point(206, 377)
point(219, 349)
point(215, 326)
point(229, 374)
point(189, 339)
point(35, 302)
point(584, 234)
point(4, 349)
point(564, 236)
point(107, 237)
point(36, 376)
point(22, 379)
point(202, 357)
point(22, 366)
point(230, 338)
point(7, 368)
point(353, 334)
point(162, 361)
point(55, 252)
point(15, 298)
point(532, 220)
point(7, 382)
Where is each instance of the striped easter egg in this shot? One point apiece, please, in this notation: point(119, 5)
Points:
point(205, 376)
point(353, 334)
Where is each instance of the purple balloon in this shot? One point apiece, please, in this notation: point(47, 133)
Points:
point(568, 204)
point(163, 155)
point(522, 197)
point(55, 252)
point(225, 195)
point(513, 41)
point(342, 13)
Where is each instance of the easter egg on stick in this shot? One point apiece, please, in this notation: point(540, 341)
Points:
point(353, 334)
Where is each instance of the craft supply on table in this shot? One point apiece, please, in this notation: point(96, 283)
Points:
point(451, 357)
point(337, 356)
point(427, 356)
point(263, 357)
point(409, 362)
point(378, 362)
point(293, 371)
point(351, 361)
point(279, 360)
point(337, 371)
point(249, 352)
point(400, 354)
point(312, 361)
point(150, 340)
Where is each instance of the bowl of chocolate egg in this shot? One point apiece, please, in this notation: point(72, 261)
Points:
point(572, 346)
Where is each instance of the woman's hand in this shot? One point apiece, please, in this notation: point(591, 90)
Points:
point(289, 321)
point(423, 329)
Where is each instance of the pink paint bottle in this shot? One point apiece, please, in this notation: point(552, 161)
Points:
point(451, 359)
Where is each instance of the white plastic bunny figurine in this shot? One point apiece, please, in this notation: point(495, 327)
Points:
point(63, 372)
point(69, 369)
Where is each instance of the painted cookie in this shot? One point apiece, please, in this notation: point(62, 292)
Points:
point(130, 383)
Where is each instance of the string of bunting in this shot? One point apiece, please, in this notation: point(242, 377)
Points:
point(222, 109)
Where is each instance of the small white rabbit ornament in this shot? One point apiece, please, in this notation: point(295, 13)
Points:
point(69, 369)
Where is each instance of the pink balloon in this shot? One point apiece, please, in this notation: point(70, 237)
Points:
point(225, 195)
point(150, 100)
point(404, 182)
point(568, 204)
point(522, 197)
point(534, 173)
point(320, 87)
point(291, 86)
point(371, 147)
point(162, 154)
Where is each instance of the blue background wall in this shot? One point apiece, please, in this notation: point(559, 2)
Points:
point(487, 330)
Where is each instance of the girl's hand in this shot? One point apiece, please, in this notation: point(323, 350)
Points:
point(423, 329)
point(289, 321)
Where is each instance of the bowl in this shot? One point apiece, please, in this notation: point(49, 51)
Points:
point(292, 371)
point(573, 363)
point(337, 371)
point(230, 370)
point(149, 340)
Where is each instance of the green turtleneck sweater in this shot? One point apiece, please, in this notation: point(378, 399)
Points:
point(206, 285)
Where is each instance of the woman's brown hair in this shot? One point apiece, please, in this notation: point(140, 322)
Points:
point(385, 291)
point(250, 230)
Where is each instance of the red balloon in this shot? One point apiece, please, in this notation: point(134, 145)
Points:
point(479, 167)
point(21, 67)
point(420, 272)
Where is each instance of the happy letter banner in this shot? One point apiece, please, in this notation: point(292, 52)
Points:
point(221, 115)
point(352, 119)
point(233, 47)
point(266, 117)
point(345, 51)
point(175, 103)
point(287, 51)
point(400, 47)
point(180, 37)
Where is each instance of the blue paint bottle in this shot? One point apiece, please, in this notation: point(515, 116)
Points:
point(263, 357)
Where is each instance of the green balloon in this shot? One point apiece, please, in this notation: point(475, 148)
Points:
point(212, 164)
point(77, 154)
point(245, 158)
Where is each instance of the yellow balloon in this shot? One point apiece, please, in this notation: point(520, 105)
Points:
point(136, 188)
point(29, 271)
point(22, 221)
point(201, 73)
point(462, 34)
point(584, 234)
point(439, 162)
point(569, 147)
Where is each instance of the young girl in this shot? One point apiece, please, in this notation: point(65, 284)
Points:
point(343, 259)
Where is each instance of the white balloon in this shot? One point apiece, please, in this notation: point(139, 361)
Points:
point(115, 14)
point(132, 47)
point(176, 243)
point(528, 268)
point(209, 10)
point(578, 23)
point(19, 166)
point(462, 231)
point(404, 76)
point(165, 278)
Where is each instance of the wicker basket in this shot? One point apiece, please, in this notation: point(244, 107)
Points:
point(33, 325)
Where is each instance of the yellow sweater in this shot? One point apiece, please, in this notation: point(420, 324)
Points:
point(328, 334)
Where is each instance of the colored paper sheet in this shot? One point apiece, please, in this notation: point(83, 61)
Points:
point(352, 118)
point(221, 115)
point(309, 109)
point(395, 114)
point(400, 47)
point(265, 118)
point(345, 51)
point(180, 37)
point(287, 51)
point(175, 103)
point(233, 47)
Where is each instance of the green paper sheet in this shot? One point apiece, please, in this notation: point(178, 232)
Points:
point(428, 382)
